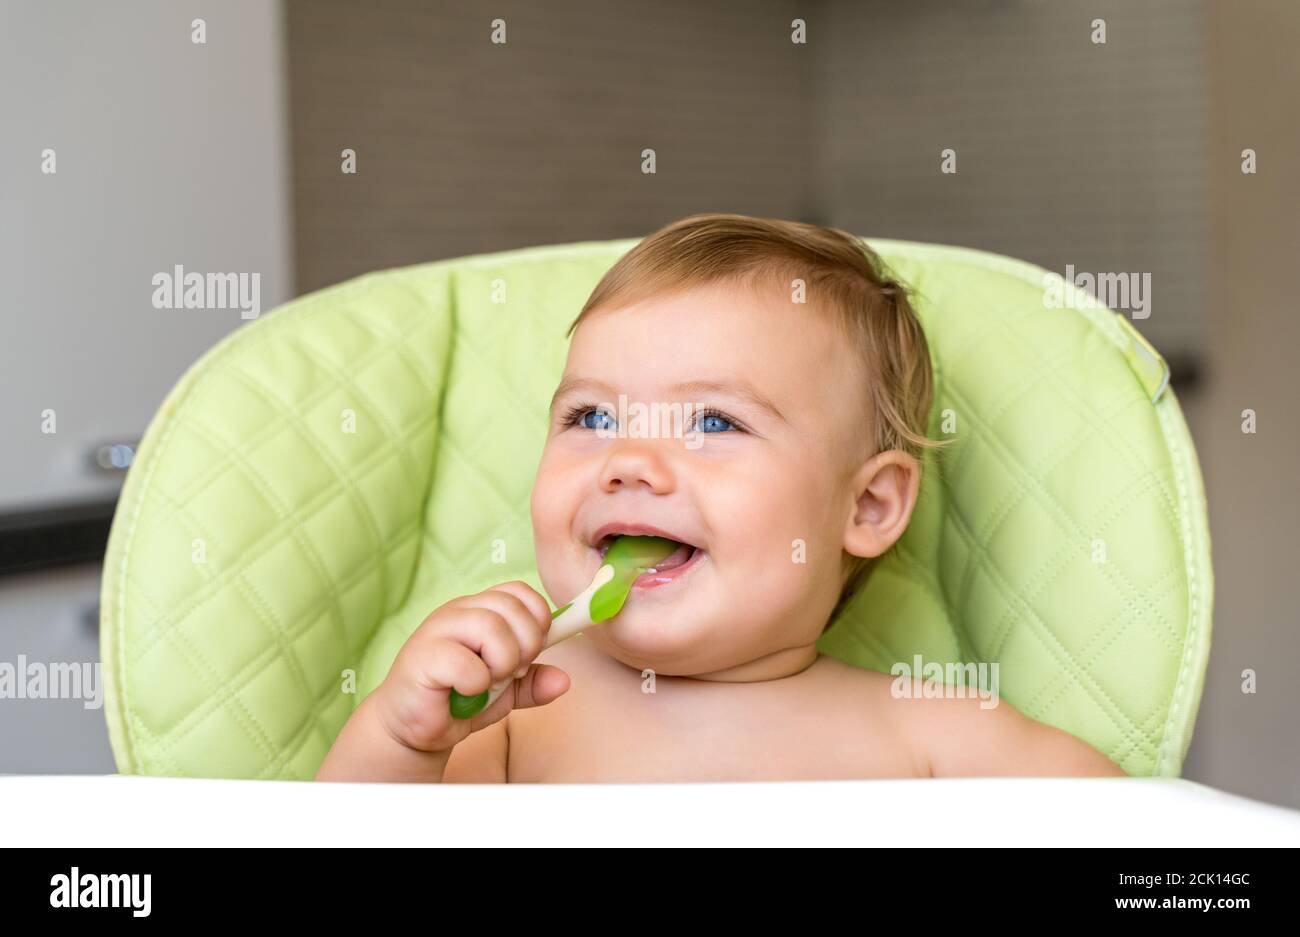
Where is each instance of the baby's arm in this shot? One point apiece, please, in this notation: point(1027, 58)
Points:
point(371, 748)
point(961, 739)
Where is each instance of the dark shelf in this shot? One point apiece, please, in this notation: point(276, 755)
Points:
point(63, 535)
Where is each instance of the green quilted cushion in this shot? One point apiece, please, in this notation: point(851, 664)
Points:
point(327, 475)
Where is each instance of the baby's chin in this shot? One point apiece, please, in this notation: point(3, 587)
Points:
point(664, 639)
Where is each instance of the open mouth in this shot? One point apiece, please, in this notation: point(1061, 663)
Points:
point(668, 570)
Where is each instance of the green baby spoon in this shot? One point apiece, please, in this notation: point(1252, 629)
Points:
point(627, 558)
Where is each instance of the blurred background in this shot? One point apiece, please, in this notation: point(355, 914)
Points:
point(225, 155)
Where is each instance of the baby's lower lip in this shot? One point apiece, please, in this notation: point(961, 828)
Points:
point(659, 578)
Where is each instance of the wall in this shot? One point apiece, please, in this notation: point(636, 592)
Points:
point(167, 153)
point(464, 146)
point(1248, 743)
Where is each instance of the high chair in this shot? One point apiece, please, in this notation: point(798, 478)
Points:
point(327, 475)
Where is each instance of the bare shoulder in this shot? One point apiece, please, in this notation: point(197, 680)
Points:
point(865, 700)
point(973, 736)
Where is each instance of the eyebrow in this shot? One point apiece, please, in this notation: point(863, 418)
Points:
point(739, 389)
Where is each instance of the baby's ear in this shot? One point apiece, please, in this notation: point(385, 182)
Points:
point(884, 494)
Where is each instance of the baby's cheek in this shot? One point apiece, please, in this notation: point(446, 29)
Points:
point(795, 517)
point(803, 543)
point(768, 569)
point(548, 529)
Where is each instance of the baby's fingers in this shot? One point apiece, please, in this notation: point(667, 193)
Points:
point(521, 617)
point(542, 684)
point(532, 599)
point(490, 635)
point(415, 703)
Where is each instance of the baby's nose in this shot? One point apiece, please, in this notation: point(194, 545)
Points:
point(632, 464)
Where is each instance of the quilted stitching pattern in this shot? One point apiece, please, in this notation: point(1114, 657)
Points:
point(260, 552)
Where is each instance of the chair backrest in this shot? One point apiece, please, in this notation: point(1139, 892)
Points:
point(327, 475)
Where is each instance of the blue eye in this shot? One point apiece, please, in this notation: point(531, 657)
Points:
point(599, 414)
point(590, 416)
point(587, 416)
point(710, 419)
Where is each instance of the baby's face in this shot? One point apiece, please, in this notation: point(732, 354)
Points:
point(763, 492)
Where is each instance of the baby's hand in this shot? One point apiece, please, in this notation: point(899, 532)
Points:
point(468, 644)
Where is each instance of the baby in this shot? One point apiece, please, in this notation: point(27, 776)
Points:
point(806, 379)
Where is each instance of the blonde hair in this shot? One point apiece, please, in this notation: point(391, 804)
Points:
point(840, 274)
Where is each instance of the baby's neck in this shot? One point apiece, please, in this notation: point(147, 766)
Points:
point(787, 662)
point(783, 663)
